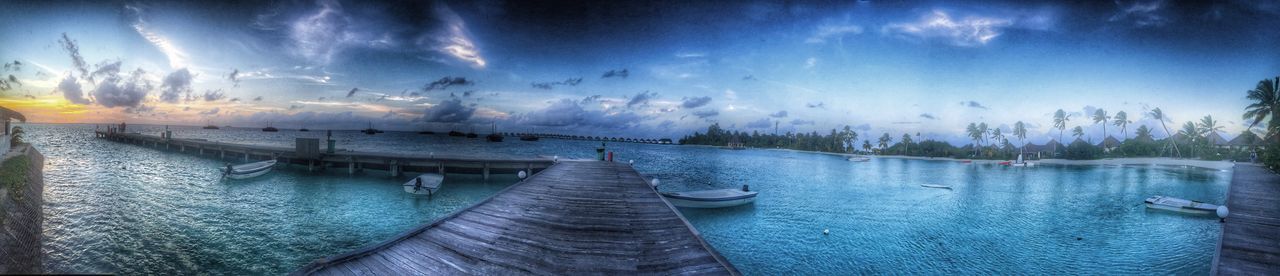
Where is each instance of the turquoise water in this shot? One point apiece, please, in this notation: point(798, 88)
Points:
point(126, 209)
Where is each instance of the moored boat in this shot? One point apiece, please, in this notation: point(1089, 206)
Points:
point(270, 129)
point(858, 159)
point(528, 137)
point(711, 198)
point(1180, 205)
point(425, 184)
point(248, 170)
point(935, 186)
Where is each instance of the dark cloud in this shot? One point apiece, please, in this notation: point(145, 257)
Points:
point(779, 114)
point(16, 66)
point(352, 92)
point(641, 99)
point(129, 91)
point(213, 111)
point(703, 114)
point(973, 104)
point(695, 102)
point(762, 123)
point(294, 107)
point(798, 122)
point(666, 124)
point(70, 88)
point(446, 82)
point(749, 78)
point(549, 85)
point(928, 116)
point(175, 85)
point(73, 50)
point(236, 100)
point(615, 73)
point(257, 99)
point(468, 93)
point(105, 68)
point(213, 95)
point(863, 127)
point(568, 113)
point(234, 77)
point(590, 99)
point(817, 105)
point(448, 111)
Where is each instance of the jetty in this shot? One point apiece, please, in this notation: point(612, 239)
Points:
point(307, 152)
point(1249, 244)
point(574, 218)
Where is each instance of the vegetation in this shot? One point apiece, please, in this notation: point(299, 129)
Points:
point(16, 137)
point(13, 175)
point(1266, 108)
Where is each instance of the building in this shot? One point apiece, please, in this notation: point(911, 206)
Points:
point(7, 115)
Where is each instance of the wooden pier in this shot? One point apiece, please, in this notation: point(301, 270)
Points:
point(393, 163)
point(576, 217)
point(1250, 243)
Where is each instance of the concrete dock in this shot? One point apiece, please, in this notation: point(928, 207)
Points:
point(575, 218)
point(394, 164)
point(1250, 243)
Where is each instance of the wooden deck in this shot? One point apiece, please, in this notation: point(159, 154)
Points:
point(395, 164)
point(1250, 242)
point(577, 217)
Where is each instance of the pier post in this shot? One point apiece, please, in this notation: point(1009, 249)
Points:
point(440, 168)
point(310, 165)
point(246, 156)
point(222, 153)
point(351, 167)
point(391, 166)
point(486, 171)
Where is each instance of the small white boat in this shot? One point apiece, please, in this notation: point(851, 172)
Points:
point(248, 170)
point(935, 186)
point(711, 198)
point(1180, 205)
point(1022, 163)
point(425, 184)
point(858, 159)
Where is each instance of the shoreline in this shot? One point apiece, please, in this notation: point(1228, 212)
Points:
point(1166, 161)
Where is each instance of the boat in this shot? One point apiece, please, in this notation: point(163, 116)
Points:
point(711, 198)
point(430, 183)
point(210, 127)
point(935, 186)
point(858, 159)
point(456, 133)
point(248, 170)
point(1005, 163)
point(304, 129)
point(472, 135)
point(528, 137)
point(494, 136)
point(1180, 205)
point(1021, 163)
point(371, 130)
point(270, 129)
point(427, 132)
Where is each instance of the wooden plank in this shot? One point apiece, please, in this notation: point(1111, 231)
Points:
point(1249, 244)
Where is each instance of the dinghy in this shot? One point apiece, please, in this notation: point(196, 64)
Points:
point(248, 170)
point(935, 186)
point(425, 184)
point(1180, 205)
point(1022, 163)
point(859, 159)
point(711, 198)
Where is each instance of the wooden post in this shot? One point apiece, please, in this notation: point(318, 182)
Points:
point(246, 156)
point(440, 168)
point(394, 167)
point(486, 171)
point(310, 164)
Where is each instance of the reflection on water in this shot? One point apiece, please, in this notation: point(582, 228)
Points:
point(120, 208)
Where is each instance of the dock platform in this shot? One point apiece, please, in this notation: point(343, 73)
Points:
point(396, 164)
point(1250, 243)
point(576, 217)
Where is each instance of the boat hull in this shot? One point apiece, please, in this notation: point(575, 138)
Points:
point(249, 174)
point(683, 203)
point(1180, 205)
point(430, 184)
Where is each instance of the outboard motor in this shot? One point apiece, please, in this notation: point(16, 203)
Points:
point(745, 189)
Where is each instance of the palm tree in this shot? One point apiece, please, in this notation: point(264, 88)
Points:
point(997, 136)
point(1267, 104)
point(1060, 119)
point(1192, 133)
point(1100, 116)
point(866, 145)
point(1020, 131)
point(1209, 126)
point(906, 143)
point(1122, 121)
point(1159, 116)
point(976, 135)
point(983, 129)
point(1142, 131)
point(850, 137)
point(884, 142)
point(1078, 132)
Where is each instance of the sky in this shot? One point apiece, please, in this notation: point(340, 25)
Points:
point(646, 69)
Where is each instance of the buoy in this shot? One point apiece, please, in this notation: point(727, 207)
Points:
point(1223, 212)
point(555, 158)
point(654, 182)
point(521, 174)
point(631, 162)
point(826, 231)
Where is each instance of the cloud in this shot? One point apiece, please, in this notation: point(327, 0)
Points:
point(73, 50)
point(177, 57)
point(295, 107)
point(590, 99)
point(810, 63)
point(703, 114)
point(448, 111)
point(257, 99)
point(123, 91)
point(1141, 13)
point(213, 111)
point(817, 105)
point(799, 122)
point(970, 31)
point(615, 73)
point(928, 116)
point(213, 95)
point(828, 31)
point(862, 127)
point(695, 102)
point(973, 104)
point(105, 68)
point(446, 82)
point(352, 92)
point(568, 113)
point(761, 123)
point(641, 99)
point(779, 114)
point(175, 85)
point(234, 77)
point(749, 78)
point(549, 85)
point(71, 90)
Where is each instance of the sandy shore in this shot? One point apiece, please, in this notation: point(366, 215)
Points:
point(1217, 165)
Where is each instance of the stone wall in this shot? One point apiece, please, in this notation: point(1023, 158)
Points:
point(21, 216)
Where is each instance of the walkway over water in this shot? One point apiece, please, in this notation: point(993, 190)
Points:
point(354, 161)
point(577, 217)
point(1250, 242)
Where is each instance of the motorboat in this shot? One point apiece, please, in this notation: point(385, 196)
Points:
point(935, 186)
point(1180, 205)
point(248, 170)
point(858, 159)
point(426, 184)
point(711, 198)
